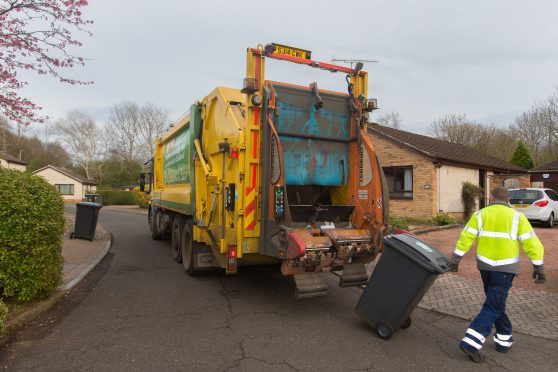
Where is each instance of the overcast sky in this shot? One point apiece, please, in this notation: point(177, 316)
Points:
point(489, 60)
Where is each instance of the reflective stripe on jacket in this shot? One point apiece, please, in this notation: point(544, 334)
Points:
point(499, 229)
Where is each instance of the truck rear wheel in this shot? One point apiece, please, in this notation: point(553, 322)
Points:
point(176, 238)
point(187, 247)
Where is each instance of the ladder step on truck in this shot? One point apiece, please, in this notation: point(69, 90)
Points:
point(354, 275)
point(309, 286)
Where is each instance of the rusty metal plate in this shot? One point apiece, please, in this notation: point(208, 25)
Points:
point(299, 240)
point(346, 235)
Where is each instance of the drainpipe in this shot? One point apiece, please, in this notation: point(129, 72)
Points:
point(438, 166)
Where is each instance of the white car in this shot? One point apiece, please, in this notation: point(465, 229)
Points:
point(537, 204)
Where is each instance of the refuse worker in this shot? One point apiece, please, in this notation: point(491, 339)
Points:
point(499, 229)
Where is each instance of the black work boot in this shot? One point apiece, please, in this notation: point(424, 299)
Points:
point(474, 355)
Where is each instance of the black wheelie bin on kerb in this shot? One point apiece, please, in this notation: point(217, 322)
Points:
point(403, 274)
point(86, 220)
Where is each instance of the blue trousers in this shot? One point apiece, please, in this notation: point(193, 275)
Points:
point(493, 313)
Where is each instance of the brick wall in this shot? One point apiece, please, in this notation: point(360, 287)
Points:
point(499, 179)
point(425, 200)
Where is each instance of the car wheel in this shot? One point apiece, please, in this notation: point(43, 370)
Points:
point(550, 222)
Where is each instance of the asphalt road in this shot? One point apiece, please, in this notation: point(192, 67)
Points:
point(139, 310)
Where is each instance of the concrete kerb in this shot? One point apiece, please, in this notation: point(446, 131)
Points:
point(126, 209)
point(435, 228)
point(88, 269)
point(42, 306)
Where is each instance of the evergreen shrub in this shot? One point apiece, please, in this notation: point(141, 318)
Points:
point(31, 228)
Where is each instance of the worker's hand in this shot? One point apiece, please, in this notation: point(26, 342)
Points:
point(538, 274)
point(453, 267)
point(454, 263)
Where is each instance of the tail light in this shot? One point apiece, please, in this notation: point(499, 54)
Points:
point(232, 260)
point(279, 202)
point(541, 203)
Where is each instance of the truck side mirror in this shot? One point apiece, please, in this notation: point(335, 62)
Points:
point(145, 180)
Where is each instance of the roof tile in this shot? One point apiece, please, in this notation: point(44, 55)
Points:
point(443, 150)
point(548, 167)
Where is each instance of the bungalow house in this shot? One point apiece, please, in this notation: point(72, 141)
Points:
point(71, 185)
point(425, 175)
point(11, 162)
point(545, 175)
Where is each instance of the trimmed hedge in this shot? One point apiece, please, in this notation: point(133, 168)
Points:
point(31, 227)
point(117, 197)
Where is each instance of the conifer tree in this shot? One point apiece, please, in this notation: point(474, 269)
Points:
point(521, 156)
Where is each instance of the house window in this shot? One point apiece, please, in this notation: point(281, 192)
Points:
point(65, 189)
point(399, 182)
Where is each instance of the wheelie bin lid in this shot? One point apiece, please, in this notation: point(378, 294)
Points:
point(89, 205)
point(419, 251)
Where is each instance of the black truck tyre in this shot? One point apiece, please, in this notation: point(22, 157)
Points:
point(187, 247)
point(153, 218)
point(176, 238)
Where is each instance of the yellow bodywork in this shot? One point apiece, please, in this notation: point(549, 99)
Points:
point(224, 116)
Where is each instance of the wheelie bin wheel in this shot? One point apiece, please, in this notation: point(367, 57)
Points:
point(385, 330)
point(407, 323)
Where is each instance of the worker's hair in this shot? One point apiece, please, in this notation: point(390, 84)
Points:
point(500, 193)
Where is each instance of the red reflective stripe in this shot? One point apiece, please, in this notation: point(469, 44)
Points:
point(251, 226)
point(250, 207)
point(255, 145)
point(257, 69)
point(254, 175)
point(256, 116)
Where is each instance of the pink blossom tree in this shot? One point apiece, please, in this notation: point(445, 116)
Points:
point(37, 36)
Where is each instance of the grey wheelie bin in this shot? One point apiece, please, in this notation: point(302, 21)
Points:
point(403, 274)
point(93, 198)
point(86, 220)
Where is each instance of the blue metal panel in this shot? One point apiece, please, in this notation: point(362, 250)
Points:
point(315, 142)
point(311, 162)
point(306, 120)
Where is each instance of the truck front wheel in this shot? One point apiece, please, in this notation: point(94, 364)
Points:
point(154, 216)
point(186, 246)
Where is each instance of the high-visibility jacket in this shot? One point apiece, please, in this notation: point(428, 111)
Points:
point(499, 230)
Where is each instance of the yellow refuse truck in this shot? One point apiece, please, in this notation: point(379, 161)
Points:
point(272, 173)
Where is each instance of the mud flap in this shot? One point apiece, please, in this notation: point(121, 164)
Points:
point(354, 275)
point(204, 257)
point(309, 286)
